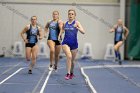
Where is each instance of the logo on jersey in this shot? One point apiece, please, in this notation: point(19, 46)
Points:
point(119, 29)
point(53, 26)
point(34, 31)
point(69, 28)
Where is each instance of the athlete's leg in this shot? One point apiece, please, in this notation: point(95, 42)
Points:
point(57, 53)
point(28, 53)
point(117, 47)
point(67, 51)
point(74, 53)
point(51, 45)
point(34, 53)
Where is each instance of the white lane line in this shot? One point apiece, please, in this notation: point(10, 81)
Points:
point(35, 88)
point(10, 76)
point(111, 67)
point(125, 77)
point(114, 66)
point(93, 90)
point(46, 81)
point(43, 77)
point(10, 69)
point(88, 81)
point(6, 66)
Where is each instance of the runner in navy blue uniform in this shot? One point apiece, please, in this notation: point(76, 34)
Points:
point(54, 26)
point(121, 33)
point(70, 42)
point(33, 33)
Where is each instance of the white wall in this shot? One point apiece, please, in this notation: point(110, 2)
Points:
point(6, 27)
point(66, 1)
point(96, 32)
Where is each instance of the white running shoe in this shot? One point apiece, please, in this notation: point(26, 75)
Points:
point(50, 68)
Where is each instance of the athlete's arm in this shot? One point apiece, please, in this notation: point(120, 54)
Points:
point(22, 34)
point(126, 32)
point(113, 29)
point(40, 33)
point(79, 27)
point(46, 29)
point(61, 29)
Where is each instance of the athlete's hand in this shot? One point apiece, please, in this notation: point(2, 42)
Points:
point(76, 26)
point(111, 30)
point(40, 38)
point(59, 38)
point(124, 38)
point(26, 41)
point(45, 36)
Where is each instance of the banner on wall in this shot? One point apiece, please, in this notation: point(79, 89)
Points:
point(134, 35)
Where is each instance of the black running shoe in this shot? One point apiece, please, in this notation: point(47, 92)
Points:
point(120, 62)
point(55, 68)
point(30, 72)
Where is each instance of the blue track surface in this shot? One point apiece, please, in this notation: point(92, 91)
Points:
point(104, 79)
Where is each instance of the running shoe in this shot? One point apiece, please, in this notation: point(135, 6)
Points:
point(55, 68)
point(71, 76)
point(120, 62)
point(67, 77)
point(30, 72)
point(50, 68)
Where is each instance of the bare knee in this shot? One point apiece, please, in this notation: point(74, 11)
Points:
point(28, 58)
point(34, 59)
point(69, 57)
point(116, 48)
point(52, 51)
